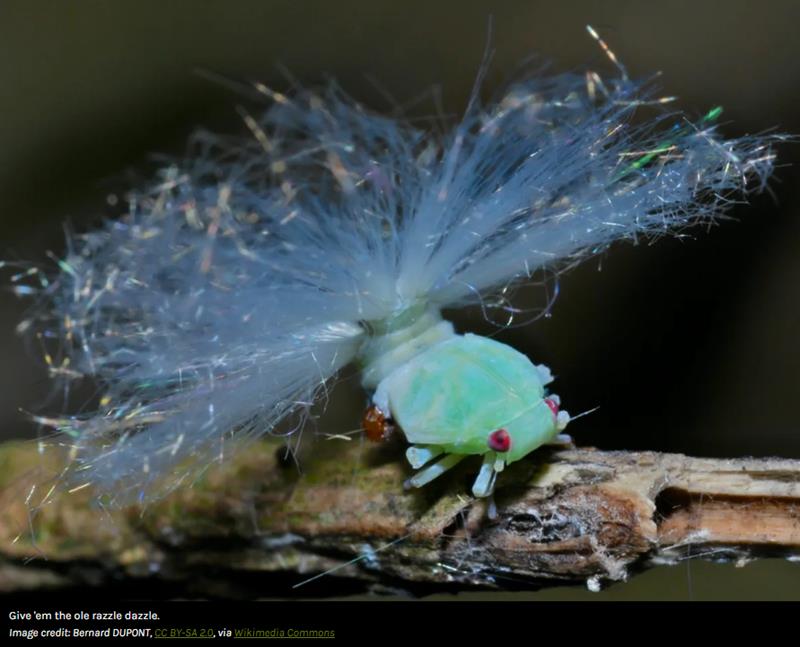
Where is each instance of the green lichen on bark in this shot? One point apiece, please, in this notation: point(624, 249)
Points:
point(565, 515)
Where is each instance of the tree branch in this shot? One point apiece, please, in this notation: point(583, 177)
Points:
point(563, 515)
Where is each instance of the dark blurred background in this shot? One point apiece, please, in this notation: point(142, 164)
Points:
point(688, 346)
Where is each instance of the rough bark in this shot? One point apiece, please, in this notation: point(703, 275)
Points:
point(563, 515)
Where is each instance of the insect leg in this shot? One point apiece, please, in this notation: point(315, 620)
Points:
point(434, 471)
point(562, 440)
point(419, 455)
point(484, 484)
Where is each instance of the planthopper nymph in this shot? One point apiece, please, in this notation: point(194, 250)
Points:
point(247, 274)
point(457, 395)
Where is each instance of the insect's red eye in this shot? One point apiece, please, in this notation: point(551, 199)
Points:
point(553, 406)
point(500, 440)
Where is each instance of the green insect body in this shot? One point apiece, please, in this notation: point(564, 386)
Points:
point(459, 395)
